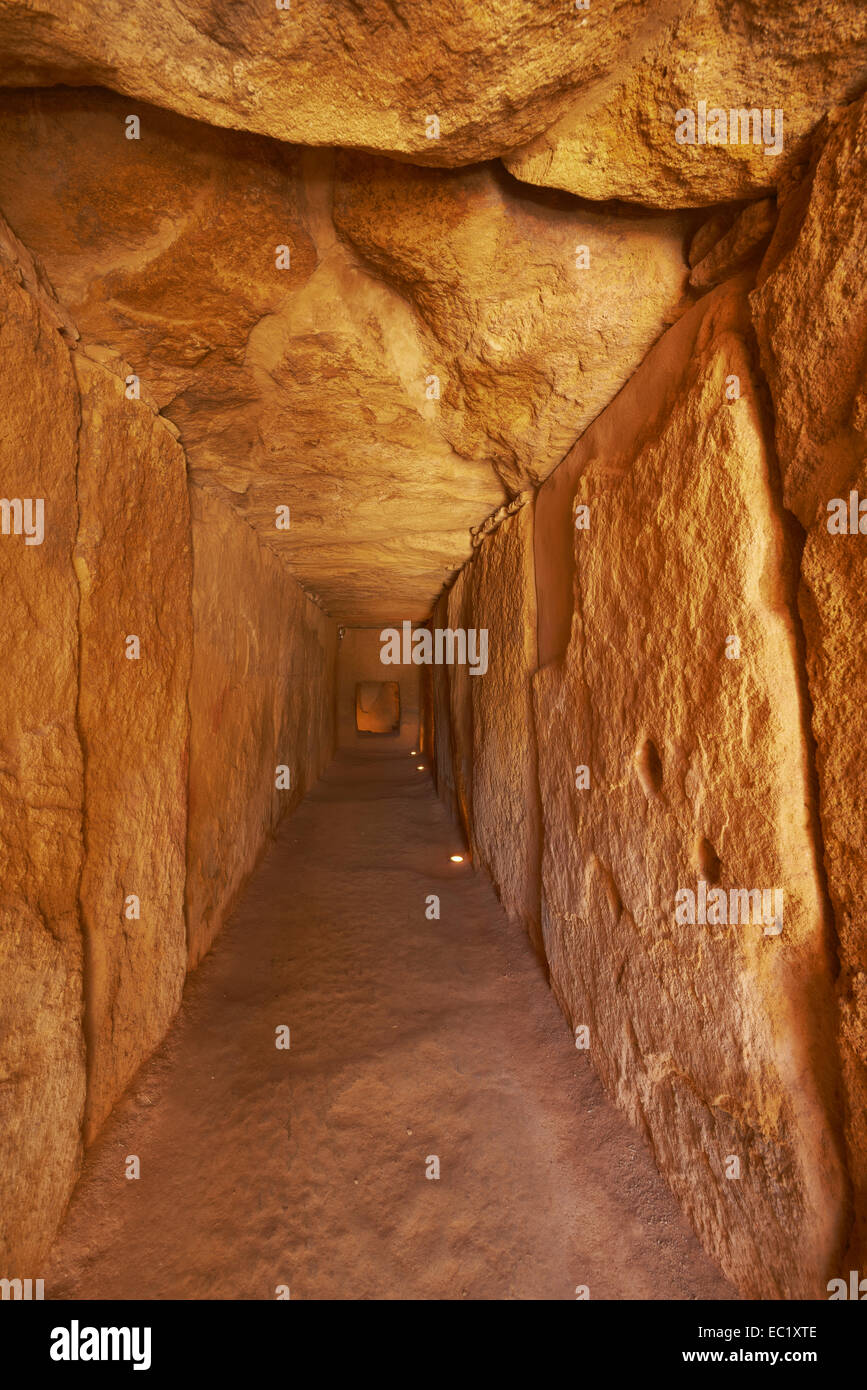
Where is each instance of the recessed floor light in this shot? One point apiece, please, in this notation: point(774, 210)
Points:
point(457, 858)
point(421, 767)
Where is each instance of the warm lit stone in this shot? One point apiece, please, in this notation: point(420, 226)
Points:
point(810, 311)
point(811, 320)
point(359, 660)
point(42, 1061)
point(617, 138)
point(394, 381)
point(697, 770)
point(741, 243)
point(278, 399)
point(366, 76)
point(133, 561)
point(535, 309)
point(508, 831)
point(261, 698)
point(377, 707)
point(496, 714)
point(577, 98)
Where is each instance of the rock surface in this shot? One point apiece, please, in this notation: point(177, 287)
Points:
point(697, 771)
point(508, 815)
point(345, 369)
point(810, 312)
point(133, 562)
point(492, 735)
point(311, 387)
point(530, 336)
point(581, 97)
point(617, 138)
point(331, 75)
point(261, 698)
point(42, 1062)
point(359, 656)
point(128, 688)
point(377, 707)
point(742, 242)
point(661, 762)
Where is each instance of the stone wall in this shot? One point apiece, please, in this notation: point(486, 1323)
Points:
point(261, 697)
point(132, 560)
point(810, 311)
point(158, 664)
point(689, 722)
point(486, 761)
point(42, 1056)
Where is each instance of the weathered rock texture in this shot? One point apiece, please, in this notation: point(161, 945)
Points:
point(366, 77)
point(132, 559)
point(528, 344)
point(741, 242)
point(42, 1062)
point(617, 138)
point(579, 97)
point(697, 770)
point(811, 318)
point(266, 364)
point(261, 698)
point(312, 387)
point(134, 774)
point(487, 767)
point(717, 1040)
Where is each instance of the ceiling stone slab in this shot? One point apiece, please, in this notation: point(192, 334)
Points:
point(308, 386)
point(578, 99)
point(617, 139)
point(364, 75)
point(531, 340)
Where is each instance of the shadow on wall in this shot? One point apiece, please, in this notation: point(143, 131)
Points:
point(374, 700)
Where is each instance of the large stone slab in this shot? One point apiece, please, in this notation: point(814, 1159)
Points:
point(507, 815)
point(810, 312)
point(617, 137)
point(365, 76)
point(42, 1055)
point(134, 566)
point(359, 659)
point(716, 1039)
point(535, 308)
point(578, 96)
point(426, 346)
point(261, 698)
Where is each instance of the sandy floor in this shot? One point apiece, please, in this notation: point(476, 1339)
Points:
point(409, 1038)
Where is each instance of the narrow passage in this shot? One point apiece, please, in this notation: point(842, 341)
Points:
point(409, 1038)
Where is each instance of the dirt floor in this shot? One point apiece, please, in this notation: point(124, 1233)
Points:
point(409, 1038)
